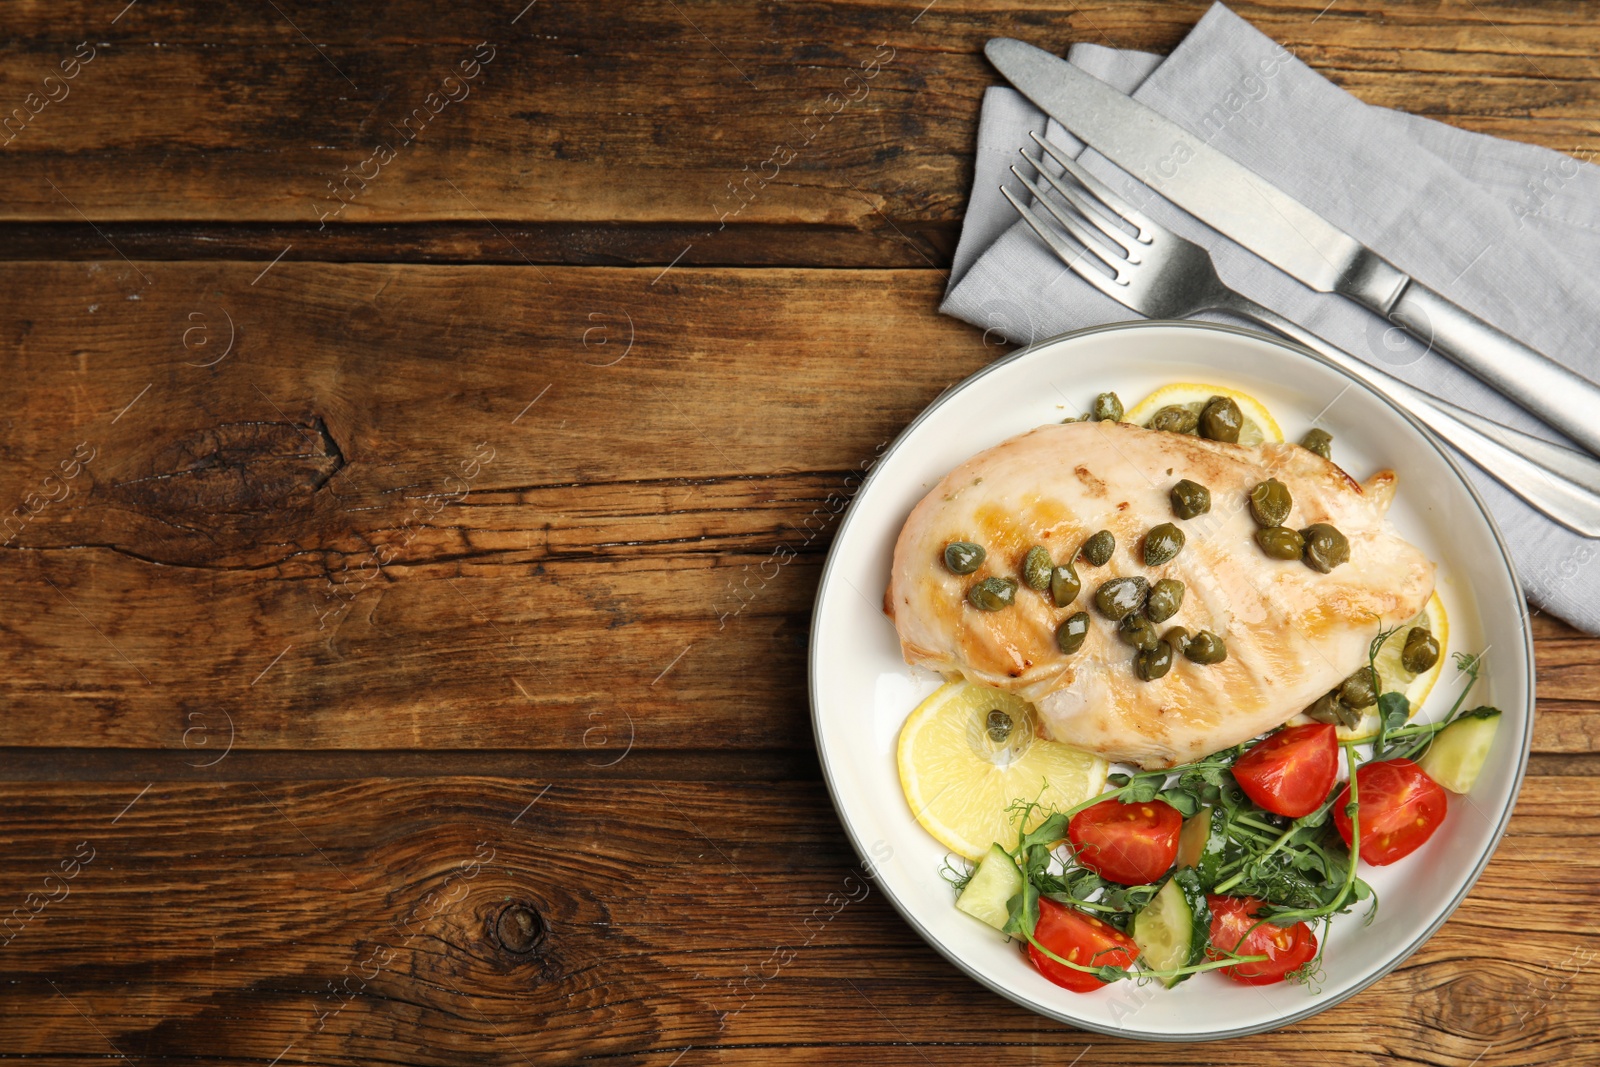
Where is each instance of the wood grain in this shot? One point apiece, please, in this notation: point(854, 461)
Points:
point(412, 508)
point(653, 114)
point(724, 919)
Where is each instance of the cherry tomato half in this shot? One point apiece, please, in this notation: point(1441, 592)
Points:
point(1129, 843)
point(1291, 772)
point(1286, 947)
point(1083, 939)
point(1401, 807)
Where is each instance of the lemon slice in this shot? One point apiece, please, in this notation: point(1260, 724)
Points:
point(1259, 425)
point(968, 752)
point(1396, 678)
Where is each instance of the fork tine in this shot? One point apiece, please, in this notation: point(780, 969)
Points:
point(1093, 212)
point(1071, 223)
point(1065, 252)
point(1100, 190)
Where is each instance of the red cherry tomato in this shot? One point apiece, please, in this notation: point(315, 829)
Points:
point(1129, 843)
point(1291, 772)
point(1083, 939)
point(1286, 947)
point(1401, 807)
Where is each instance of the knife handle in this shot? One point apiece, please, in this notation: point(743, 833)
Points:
point(1532, 380)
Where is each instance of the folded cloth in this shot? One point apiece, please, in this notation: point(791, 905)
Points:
point(1509, 231)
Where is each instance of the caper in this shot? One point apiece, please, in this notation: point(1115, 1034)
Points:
point(1162, 544)
point(1107, 407)
point(1318, 441)
point(992, 594)
point(1152, 663)
point(1326, 547)
point(1270, 503)
point(1036, 566)
point(999, 726)
point(1121, 597)
point(1097, 550)
point(1281, 542)
point(1189, 499)
point(963, 557)
point(1174, 418)
point(1135, 630)
point(1330, 709)
point(1360, 690)
point(1206, 647)
point(1421, 650)
point(1221, 420)
point(1178, 638)
point(1072, 631)
point(1166, 597)
point(1064, 585)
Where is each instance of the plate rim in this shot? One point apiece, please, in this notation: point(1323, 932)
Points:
point(1318, 1006)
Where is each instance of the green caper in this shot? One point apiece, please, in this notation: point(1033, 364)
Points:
point(1152, 663)
point(1064, 585)
point(1121, 597)
point(992, 594)
point(999, 726)
point(1421, 650)
point(1206, 647)
point(1330, 709)
point(1166, 597)
point(1326, 547)
point(1360, 690)
point(1270, 503)
point(1072, 631)
point(963, 557)
point(1107, 407)
point(1178, 638)
point(1189, 499)
point(1036, 566)
point(1162, 544)
point(1174, 418)
point(1221, 420)
point(1135, 630)
point(1281, 542)
point(1098, 548)
point(1318, 441)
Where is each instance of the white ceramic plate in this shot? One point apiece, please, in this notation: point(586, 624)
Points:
point(862, 690)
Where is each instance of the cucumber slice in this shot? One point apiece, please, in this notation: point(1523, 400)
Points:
point(1192, 838)
point(1171, 930)
point(1201, 843)
point(989, 891)
point(1457, 754)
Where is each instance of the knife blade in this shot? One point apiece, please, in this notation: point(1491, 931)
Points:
point(1237, 202)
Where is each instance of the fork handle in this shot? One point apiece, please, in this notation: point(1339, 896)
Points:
point(1559, 482)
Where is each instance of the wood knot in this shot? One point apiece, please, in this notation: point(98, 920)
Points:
point(519, 928)
point(234, 468)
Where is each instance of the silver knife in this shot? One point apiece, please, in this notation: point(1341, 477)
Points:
point(1234, 200)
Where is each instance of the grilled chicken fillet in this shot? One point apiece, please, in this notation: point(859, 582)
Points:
point(1292, 633)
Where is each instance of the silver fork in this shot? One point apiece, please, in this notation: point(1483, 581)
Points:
point(1164, 276)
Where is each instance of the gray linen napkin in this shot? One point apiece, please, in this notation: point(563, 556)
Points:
point(1509, 231)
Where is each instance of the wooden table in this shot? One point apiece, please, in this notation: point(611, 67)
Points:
point(423, 429)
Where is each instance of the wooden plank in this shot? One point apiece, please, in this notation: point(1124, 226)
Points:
point(441, 507)
point(246, 537)
point(653, 112)
point(426, 921)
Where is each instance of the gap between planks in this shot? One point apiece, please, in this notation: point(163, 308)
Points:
point(693, 765)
